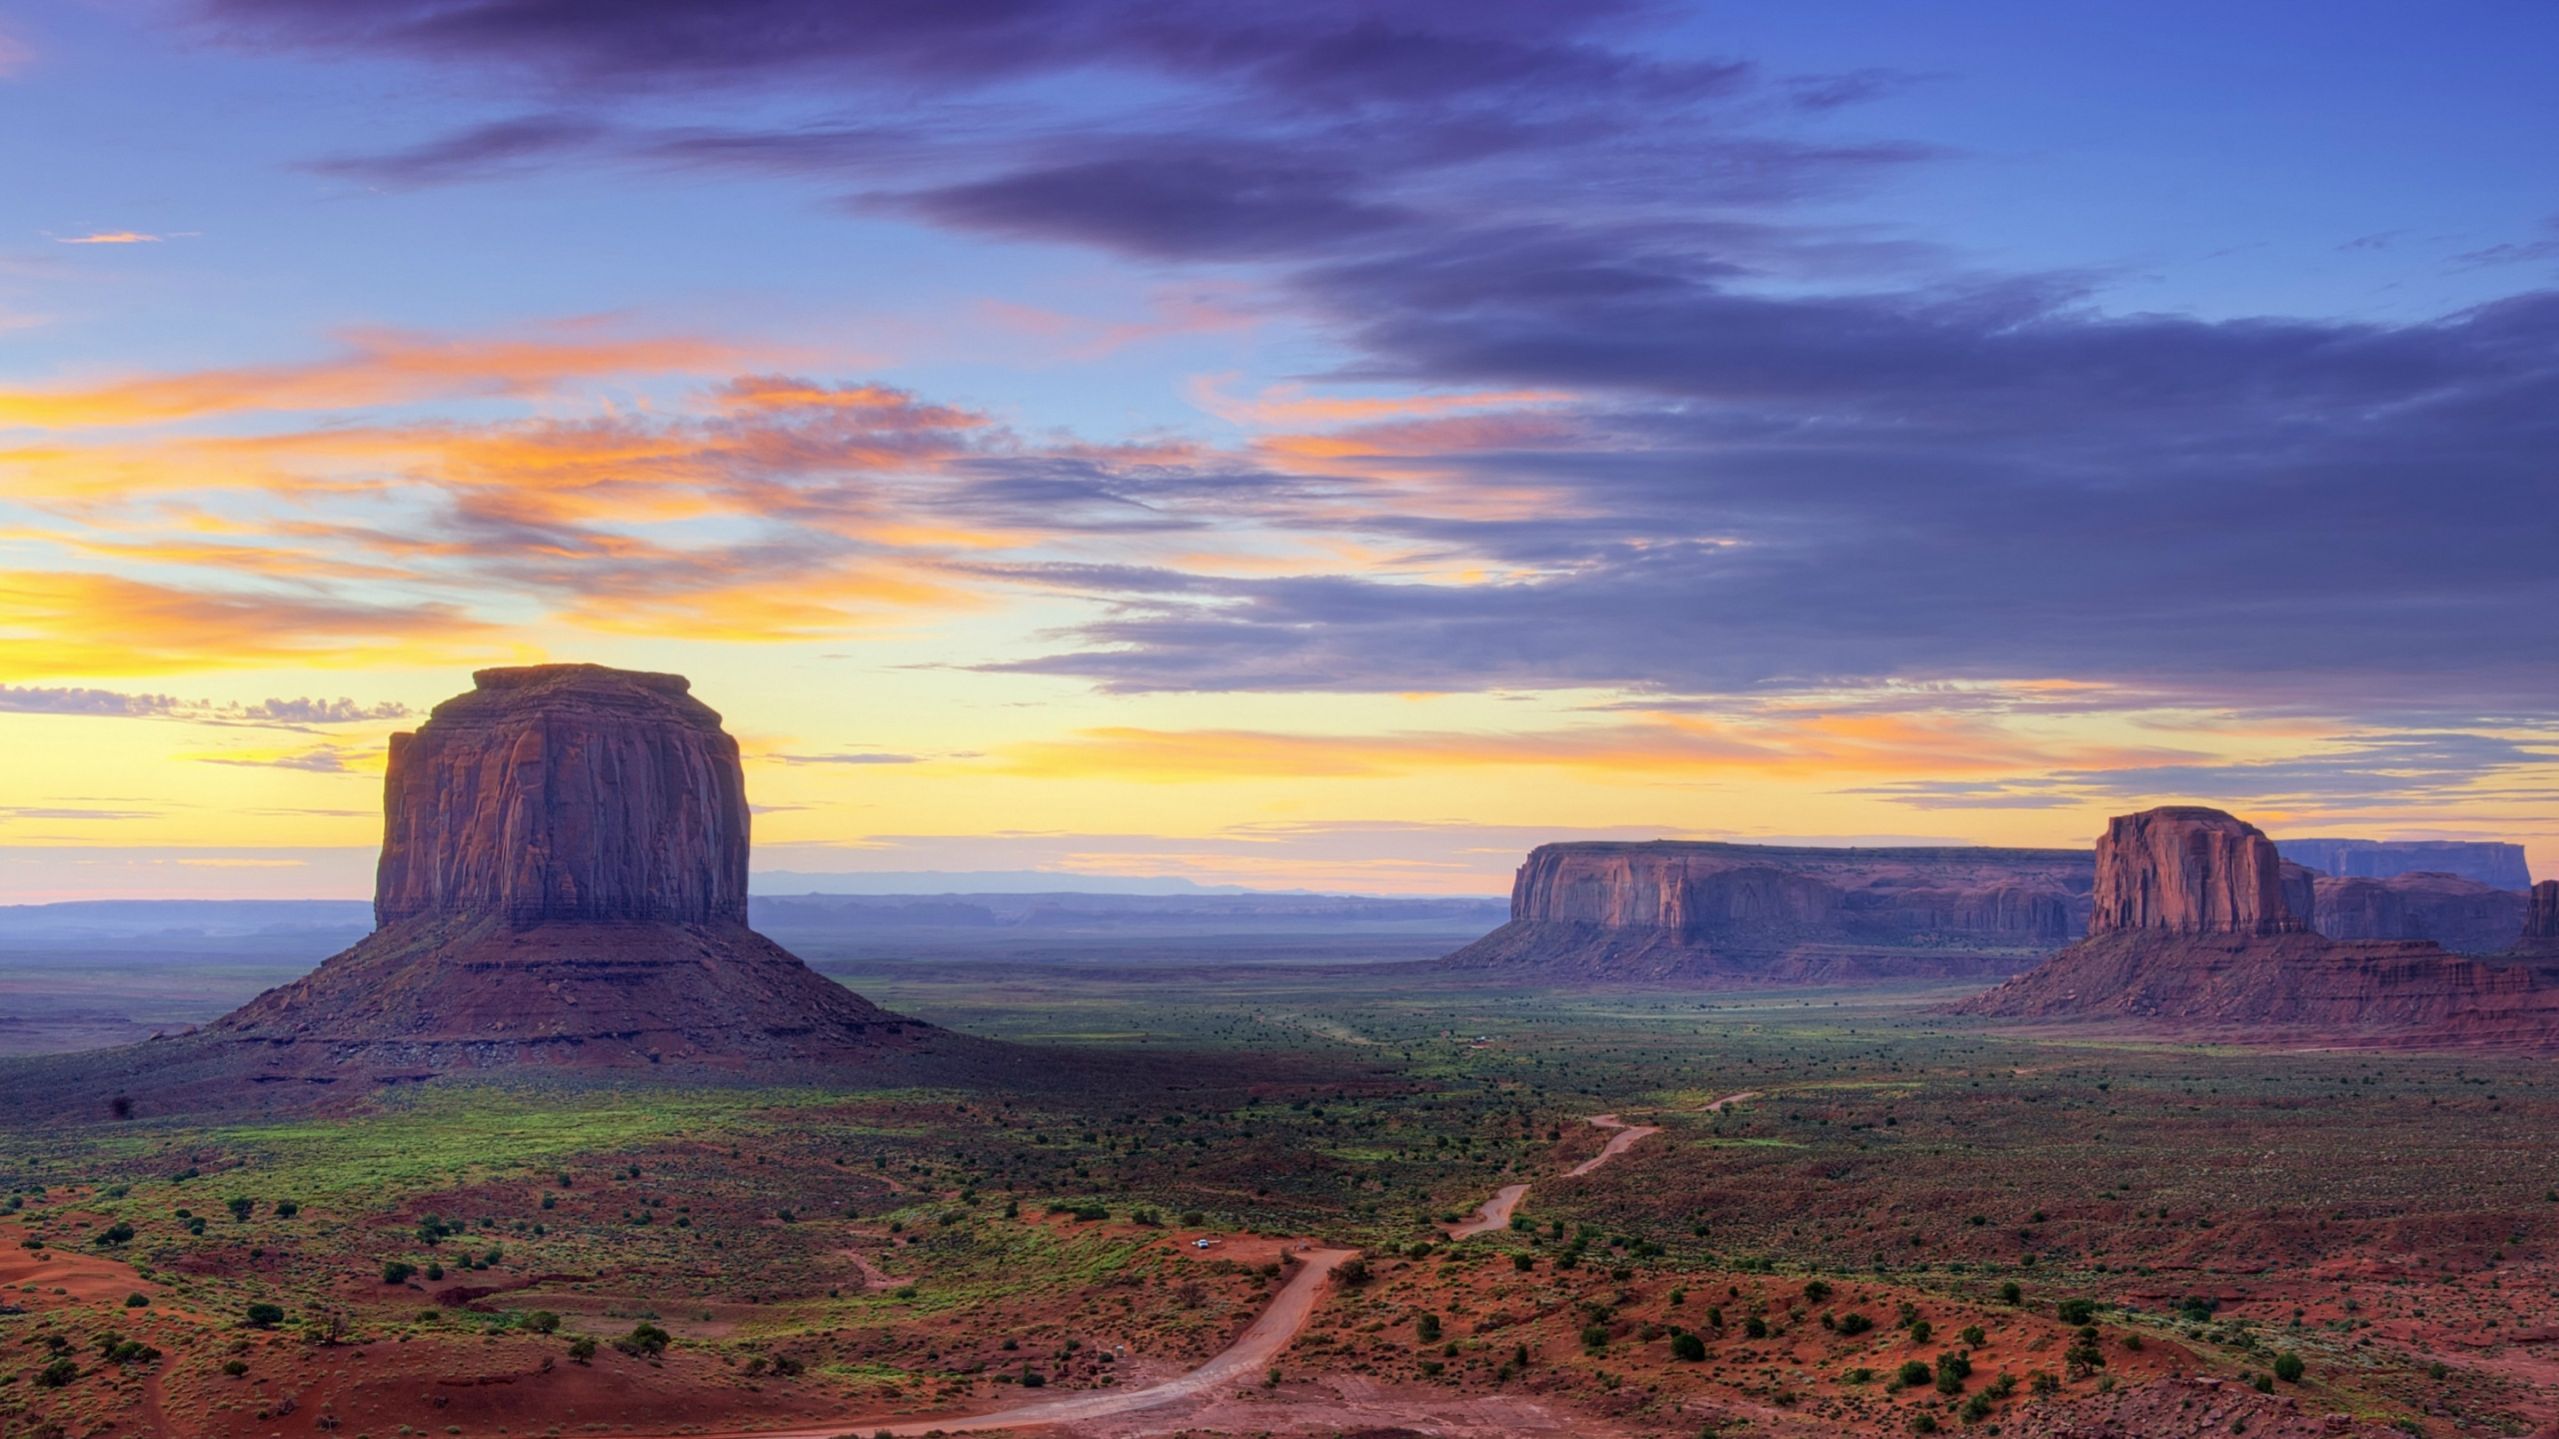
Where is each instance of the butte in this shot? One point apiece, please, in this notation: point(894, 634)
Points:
point(562, 891)
point(2199, 929)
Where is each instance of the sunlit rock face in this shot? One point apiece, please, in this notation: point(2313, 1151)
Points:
point(565, 793)
point(2185, 869)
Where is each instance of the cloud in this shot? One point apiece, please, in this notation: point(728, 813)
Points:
point(481, 150)
point(63, 623)
point(2359, 774)
point(850, 757)
point(1167, 203)
point(1759, 496)
point(15, 56)
point(2515, 252)
point(108, 237)
point(373, 367)
point(319, 759)
point(38, 812)
point(1653, 746)
point(278, 713)
point(760, 506)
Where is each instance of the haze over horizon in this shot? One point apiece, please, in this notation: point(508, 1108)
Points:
point(1329, 451)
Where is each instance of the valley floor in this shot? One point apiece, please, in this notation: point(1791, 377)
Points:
point(1825, 1214)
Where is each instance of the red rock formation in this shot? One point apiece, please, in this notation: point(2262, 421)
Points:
point(2462, 915)
point(562, 886)
point(2191, 870)
point(1667, 910)
point(565, 792)
point(2194, 936)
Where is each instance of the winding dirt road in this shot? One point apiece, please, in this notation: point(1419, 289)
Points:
point(1495, 1213)
point(1250, 1354)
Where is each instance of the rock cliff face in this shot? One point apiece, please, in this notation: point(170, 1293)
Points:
point(2462, 915)
point(1668, 910)
point(2190, 870)
point(565, 793)
point(2194, 935)
point(2495, 863)
point(2541, 921)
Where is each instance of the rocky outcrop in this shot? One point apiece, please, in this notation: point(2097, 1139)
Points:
point(2495, 863)
point(562, 887)
point(1700, 911)
point(2191, 870)
point(565, 793)
point(2462, 915)
point(2194, 936)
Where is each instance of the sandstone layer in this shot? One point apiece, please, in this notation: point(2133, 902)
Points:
point(2497, 863)
point(1693, 912)
point(2462, 915)
point(2195, 935)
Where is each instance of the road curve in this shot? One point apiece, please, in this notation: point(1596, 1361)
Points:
point(1624, 1139)
point(1250, 1354)
point(1495, 1213)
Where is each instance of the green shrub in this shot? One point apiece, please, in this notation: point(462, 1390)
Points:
point(2288, 1367)
point(1687, 1348)
point(265, 1316)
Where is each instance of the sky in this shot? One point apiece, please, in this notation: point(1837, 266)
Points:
point(1332, 445)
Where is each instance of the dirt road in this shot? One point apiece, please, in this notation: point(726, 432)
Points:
point(1618, 1143)
point(1246, 1358)
point(1496, 1212)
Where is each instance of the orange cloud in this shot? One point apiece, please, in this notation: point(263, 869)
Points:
point(1860, 746)
point(108, 237)
point(375, 367)
point(63, 623)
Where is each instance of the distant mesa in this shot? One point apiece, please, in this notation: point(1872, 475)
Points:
point(2495, 863)
point(2196, 931)
point(562, 888)
point(1713, 913)
point(2457, 912)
